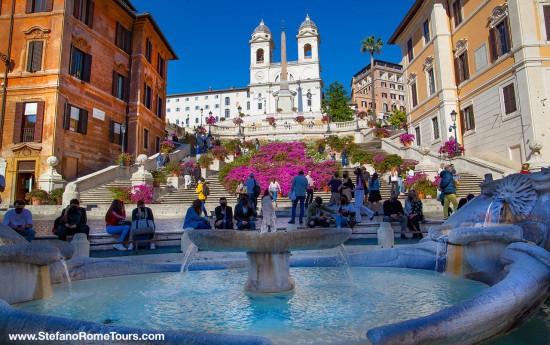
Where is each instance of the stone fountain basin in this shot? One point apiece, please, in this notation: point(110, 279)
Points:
point(273, 242)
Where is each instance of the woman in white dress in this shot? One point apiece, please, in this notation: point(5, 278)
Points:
point(268, 213)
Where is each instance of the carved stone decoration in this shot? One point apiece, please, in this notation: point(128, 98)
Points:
point(536, 162)
point(517, 192)
point(148, 79)
point(121, 68)
point(37, 32)
point(428, 63)
point(51, 179)
point(498, 14)
point(412, 78)
point(160, 86)
point(82, 43)
point(461, 47)
point(26, 149)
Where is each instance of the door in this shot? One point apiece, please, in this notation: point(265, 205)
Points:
point(26, 180)
point(70, 169)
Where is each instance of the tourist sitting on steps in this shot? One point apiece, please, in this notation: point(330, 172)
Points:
point(315, 215)
point(142, 212)
point(224, 215)
point(193, 217)
point(116, 224)
point(393, 212)
point(20, 220)
point(413, 211)
point(346, 213)
point(245, 214)
point(72, 221)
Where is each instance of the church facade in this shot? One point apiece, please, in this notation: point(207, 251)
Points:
point(260, 98)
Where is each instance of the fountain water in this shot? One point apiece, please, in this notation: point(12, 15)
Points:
point(189, 255)
point(67, 275)
point(343, 260)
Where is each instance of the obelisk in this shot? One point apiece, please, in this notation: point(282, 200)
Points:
point(284, 97)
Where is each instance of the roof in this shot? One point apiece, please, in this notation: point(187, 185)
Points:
point(262, 28)
point(379, 63)
point(408, 18)
point(148, 16)
point(308, 23)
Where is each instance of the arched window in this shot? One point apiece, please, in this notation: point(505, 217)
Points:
point(196, 120)
point(217, 118)
point(248, 105)
point(259, 55)
point(227, 101)
point(307, 51)
point(177, 122)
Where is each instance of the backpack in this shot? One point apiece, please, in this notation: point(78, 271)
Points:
point(256, 190)
point(205, 190)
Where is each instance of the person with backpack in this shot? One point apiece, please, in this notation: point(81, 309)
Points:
point(253, 189)
point(203, 191)
point(143, 213)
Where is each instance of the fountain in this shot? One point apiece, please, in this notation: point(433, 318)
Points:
point(268, 254)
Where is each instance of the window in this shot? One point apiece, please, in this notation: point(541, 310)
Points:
point(546, 10)
point(145, 138)
point(363, 104)
point(431, 81)
point(168, 110)
point(28, 122)
point(168, 101)
point(160, 107)
point(392, 86)
point(400, 87)
point(197, 107)
point(84, 11)
point(410, 53)
point(383, 84)
point(227, 113)
point(467, 122)
point(247, 105)
point(187, 121)
point(80, 65)
point(401, 97)
point(160, 66)
point(426, 29)
point(417, 135)
point(247, 93)
point(205, 97)
point(148, 50)
point(509, 96)
point(259, 56)
point(196, 120)
point(260, 105)
point(414, 98)
point(157, 141)
point(147, 96)
point(217, 118)
point(393, 106)
point(457, 12)
point(196, 98)
point(401, 108)
point(385, 107)
point(120, 86)
point(115, 132)
point(207, 107)
point(217, 106)
point(435, 127)
point(35, 6)
point(123, 38)
point(76, 119)
point(384, 95)
point(34, 56)
point(307, 51)
point(462, 71)
point(186, 99)
point(499, 40)
point(186, 109)
point(216, 96)
point(227, 101)
point(393, 96)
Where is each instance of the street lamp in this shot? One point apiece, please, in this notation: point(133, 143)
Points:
point(201, 117)
point(308, 95)
point(264, 106)
point(209, 133)
point(328, 126)
point(453, 127)
point(240, 134)
point(123, 131)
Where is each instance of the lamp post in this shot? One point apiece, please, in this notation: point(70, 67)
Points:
point(240, 134)
point(201, 117)
point(209, 132)
point(453, 127)
point(123, 131)
point(264, 106)
point(308, 95)
point(187, 122)
point(328, 126)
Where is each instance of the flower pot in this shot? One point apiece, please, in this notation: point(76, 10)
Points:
point(156, 183)
point(421, 195)
point(407, 143)
point(36, 201)
point(126, 164)
point(326, 188)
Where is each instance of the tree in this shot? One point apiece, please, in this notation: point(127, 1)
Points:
point(336, 103)
point(398, 119)
point(372, 45)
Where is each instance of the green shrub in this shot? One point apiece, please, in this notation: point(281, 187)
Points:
point(56, 196)
point(120, 193)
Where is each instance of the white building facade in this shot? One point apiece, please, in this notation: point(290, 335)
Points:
point(258, 100)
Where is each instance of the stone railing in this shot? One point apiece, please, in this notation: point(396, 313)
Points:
point(470, 164)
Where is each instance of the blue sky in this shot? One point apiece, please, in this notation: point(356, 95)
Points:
point(211, 37)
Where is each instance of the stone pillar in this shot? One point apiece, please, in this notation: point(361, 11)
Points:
point(537, 162)
point(142, 176)
point(51, 179)
point(269, 272)
point(81, 246)
point(425, 165)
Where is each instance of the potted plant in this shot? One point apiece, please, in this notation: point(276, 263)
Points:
point(325, 118)
point(279, 110)
point(406, 139)
point(299, 119)
point(37, 196)
point(166, 146)
point(200, 130)
point(142, 192)
point(294, 109)
point(271, 120)
point(362, 114)
point(158, 178)
point(238, 121)
point(205, 160)
point(450, 148)
point(381, 133)
point(120, 193)
point(174, 169)
point(422, 185)
point(220, 153)
point(125, 159)
point(210, 120)
point(372, 123)
point(56, 196)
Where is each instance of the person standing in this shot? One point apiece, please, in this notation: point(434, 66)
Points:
point(359, 195)
point(257, 144)
point(72, 221)
point(159, 160)
point(374, 192)
point(20, 220)
point(393, 212)
point(344, 158)
point(274, 189)
point(224, 215)
point(394, 180)
point(245, 213)
point(332, 155)
point(166, 159)
point(310, 187)
point(346, 188)
point(187, 175)
point(448, 189)
point(2, 186)
point(299, 187)
point(196, 174)
point(334, 185)
point(253, 188)
point(269, 221)
point(142, 212)
point(113, 226)
point(202, 195)
point(524, 169)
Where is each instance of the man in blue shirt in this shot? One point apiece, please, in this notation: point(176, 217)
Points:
point(299, 186)
point(249, 184)
point(20, 220)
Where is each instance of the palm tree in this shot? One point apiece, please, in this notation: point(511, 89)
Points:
point(372, 45)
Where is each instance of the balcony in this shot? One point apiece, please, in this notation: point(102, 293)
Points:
point(28, 134)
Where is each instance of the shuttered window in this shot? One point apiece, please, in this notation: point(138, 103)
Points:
point(123, 38)
point(148, 50)
point(80, 65)
point(147, 96)
point(160, 66)
point(467, 121)
point(76, 119)
point(499, 40)
point(435, 127)
point(84, 11)
point(28, 121)
point(410, 53)
point(145, 138)
point(35, 6)
point(414, 98)
point(509, 96)
point(34, 56)
point(457, 12)
point(547, 21)
point(417, 135)
point(462, 71)
point(120, 86)
point(160, 107)
point(115, 132)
